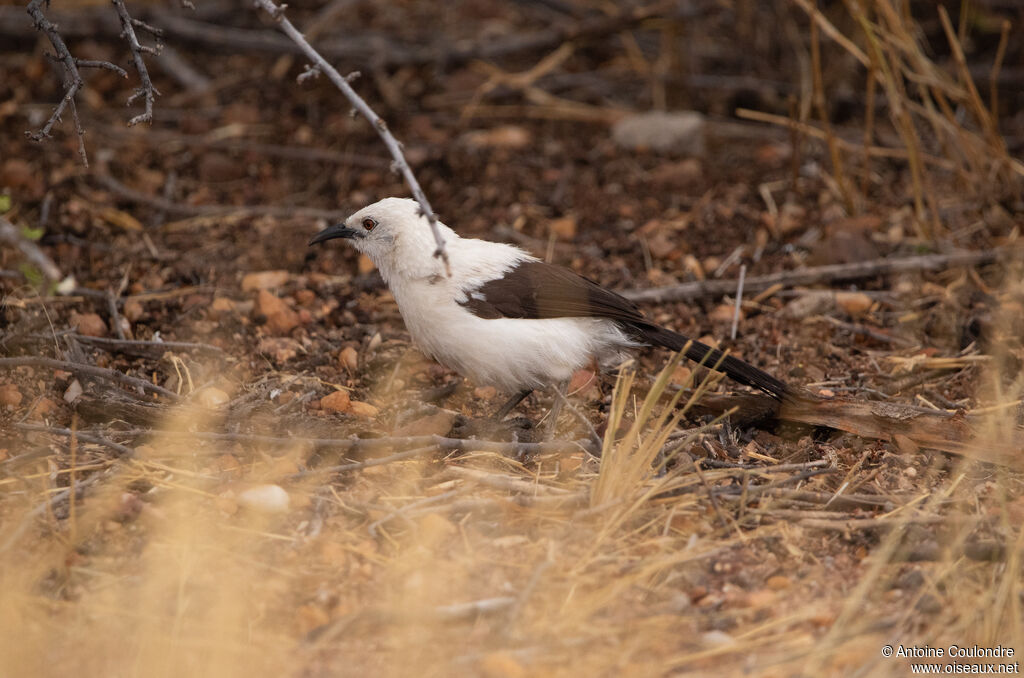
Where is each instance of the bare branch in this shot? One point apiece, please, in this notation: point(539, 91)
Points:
point(72, 79)
point(92, 63)
point(89, 370)
point(146, 90)
point(277, 12)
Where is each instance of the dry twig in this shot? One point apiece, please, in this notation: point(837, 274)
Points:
point(122, 450)
point(146, 90)
point(89, 370)
point(820, 274)
point(342, 83)
point(71, 76)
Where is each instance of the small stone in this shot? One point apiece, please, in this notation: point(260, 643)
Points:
point(10, 395)
point(72, 392)
point(263, 280)
point(281, 319)
point(349, 358)
point(265, 499)
point(855, 304)
point(133, 310)
point(338, 401)
point(677, 131)
point(361, 409)
point(89, 324)
point(779, 582)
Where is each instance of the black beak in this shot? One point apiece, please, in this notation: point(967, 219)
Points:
point(335, 231)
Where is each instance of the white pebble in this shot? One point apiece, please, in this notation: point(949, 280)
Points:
point(265, 499)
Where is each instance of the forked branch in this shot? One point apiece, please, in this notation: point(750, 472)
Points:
point(72, 78)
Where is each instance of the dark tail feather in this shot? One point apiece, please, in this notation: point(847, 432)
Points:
point(734, 368)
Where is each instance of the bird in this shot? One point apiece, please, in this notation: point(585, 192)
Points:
point(504, 318)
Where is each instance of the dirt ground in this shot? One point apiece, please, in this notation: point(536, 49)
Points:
point(221, 454)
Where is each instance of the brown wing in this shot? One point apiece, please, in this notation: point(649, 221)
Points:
point(536, 290)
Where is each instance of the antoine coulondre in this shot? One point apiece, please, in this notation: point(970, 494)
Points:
point(951, 651)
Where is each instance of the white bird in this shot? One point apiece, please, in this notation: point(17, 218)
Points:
point(503, 317)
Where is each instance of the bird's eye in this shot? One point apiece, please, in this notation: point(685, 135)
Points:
point(369, 224)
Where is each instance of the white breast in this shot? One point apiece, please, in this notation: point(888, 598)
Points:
point(509, 353)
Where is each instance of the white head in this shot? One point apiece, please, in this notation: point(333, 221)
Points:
point(394, 234)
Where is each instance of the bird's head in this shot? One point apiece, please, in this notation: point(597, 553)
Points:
point(393, 232)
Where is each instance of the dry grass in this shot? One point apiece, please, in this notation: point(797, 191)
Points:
point(937, 114)
point(640, 565)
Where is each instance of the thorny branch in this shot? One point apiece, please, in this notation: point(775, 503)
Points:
point(72, 78)
point(394, 147)
point(146, 89)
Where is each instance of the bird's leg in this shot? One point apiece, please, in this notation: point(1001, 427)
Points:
point(561, 389)
point(511, 403)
